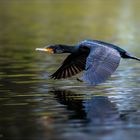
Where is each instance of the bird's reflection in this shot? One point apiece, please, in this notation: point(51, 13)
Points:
point(100, 109)
point(96, 109)
point(72, 102)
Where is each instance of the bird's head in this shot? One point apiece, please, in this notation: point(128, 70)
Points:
point(51, 49)
point(57, 49)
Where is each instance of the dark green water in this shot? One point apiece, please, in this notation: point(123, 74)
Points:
point(33, 107)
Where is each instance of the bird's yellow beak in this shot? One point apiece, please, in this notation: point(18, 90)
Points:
point(49, 50)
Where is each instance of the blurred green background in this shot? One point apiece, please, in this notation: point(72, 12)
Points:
point(39, 22)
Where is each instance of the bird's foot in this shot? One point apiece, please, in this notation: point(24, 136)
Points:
point(80, 80)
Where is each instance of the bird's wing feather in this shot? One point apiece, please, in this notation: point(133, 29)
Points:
point(72, 65)
point(100, 64)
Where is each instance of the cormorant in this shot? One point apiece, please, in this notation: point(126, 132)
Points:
point(97, 58)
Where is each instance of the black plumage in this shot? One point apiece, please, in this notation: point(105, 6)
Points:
point(99, 60)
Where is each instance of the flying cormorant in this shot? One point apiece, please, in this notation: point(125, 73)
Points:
point(98, 59)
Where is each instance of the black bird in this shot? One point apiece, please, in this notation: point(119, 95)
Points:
point(97, 58)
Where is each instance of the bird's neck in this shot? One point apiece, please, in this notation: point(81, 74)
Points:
point(69, 49)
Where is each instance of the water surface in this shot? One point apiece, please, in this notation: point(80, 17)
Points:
point(34, 107)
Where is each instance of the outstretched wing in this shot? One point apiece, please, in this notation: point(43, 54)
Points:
point(72, 65)
point(100, 64)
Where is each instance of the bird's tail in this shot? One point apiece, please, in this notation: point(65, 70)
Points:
point(136, 58)
point(129, 56)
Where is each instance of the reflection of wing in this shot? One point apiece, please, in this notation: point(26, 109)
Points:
point(72, 65)
point(100, 64)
